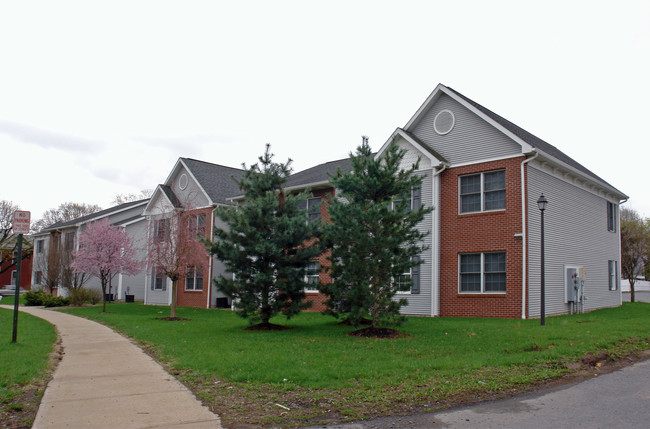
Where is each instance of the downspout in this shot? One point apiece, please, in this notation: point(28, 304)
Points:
point(620, 252)
point(210, 233)
point(435, 248)
point(524, 231)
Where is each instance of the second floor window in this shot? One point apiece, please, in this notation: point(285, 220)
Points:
point(483, 192)
point(312, 206)
point(39, 246)
point(196, 224)
point(161, 229)
point(611, 217)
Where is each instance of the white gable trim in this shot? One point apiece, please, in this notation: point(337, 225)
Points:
point(158, 190)
point(441, 89)
point(177, 166)
point(399, 132)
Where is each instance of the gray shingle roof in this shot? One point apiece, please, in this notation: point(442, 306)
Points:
point(533, 140)
point(318, 173)
point(96, 215)
point(171, 196)
point(216, 180)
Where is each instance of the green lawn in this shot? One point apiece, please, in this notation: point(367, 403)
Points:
point(323, 373)
point(9, 300)
point(23, 365)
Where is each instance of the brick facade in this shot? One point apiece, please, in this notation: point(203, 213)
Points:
point(480, 232)
point(316, 298)
point(198, 298)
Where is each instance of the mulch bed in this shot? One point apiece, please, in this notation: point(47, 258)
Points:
point(172, 319)
point(371, 332)
point(267, 327)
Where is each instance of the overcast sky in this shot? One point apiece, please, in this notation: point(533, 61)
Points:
point(102, 97)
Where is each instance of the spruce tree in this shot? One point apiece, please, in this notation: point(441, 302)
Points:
point(263, 244)
point(373, 237)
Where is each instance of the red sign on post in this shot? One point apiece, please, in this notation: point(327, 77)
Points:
point(21, 222)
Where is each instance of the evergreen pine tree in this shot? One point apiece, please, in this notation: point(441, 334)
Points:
point(373, 237)
point(263, 244)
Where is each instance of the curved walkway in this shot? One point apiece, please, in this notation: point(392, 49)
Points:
point(105, 381)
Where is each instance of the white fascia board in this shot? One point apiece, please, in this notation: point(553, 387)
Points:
point(133, 221)
point(587, 178)
point(210, 202)
point(288, 188)
point(402, 134)
point(525, 147)
point(440, 89)
point(158, 190)
point(91, 219)
point(435, 94)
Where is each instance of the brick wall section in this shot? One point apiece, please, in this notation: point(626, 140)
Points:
point(318, 299)
point(480, 232)
point(192, 298)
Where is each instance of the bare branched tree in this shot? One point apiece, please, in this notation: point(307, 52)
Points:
point(63, 213)
point(126, 198)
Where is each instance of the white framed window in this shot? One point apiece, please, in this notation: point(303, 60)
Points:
point(14, 277)
point(482, 192)
point(611, 217)
point(39, 278)
point(40, 245)
point(482, 272)
point(413, 203)
point(161, 229)
point(196, 224)
point(312, 206)
point(68, 242)
point(158, 280)
point(613, 275)
point(194, 279)
point(405, 280)
point(311, 276)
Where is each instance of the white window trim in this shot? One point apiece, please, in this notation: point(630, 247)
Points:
point(617, 278)
point(482, 174)
point(406, 292)
point(194, 289)
point(307, 276)
point(482, 291)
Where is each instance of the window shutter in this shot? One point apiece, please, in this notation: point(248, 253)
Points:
point(415, 276)
point(164, 283)
point(153, 278)
point(417, 198)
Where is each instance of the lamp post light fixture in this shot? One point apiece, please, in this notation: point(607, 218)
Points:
point(541, 203)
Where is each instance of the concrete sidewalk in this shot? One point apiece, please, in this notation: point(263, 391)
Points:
point(105, 381)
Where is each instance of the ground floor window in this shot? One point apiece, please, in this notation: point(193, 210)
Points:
point(158, 280)
point(311, 276)
point(194, 279)
point(39, 278)
point(613, 275)
point(482, 272)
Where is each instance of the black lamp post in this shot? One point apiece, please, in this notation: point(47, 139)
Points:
point(541, 203)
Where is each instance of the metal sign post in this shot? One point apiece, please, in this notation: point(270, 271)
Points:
point(20, 226)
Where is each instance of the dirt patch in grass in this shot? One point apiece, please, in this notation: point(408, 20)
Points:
point(267, 327)
point(371, 332)
point(172, 319)
point(20, 411)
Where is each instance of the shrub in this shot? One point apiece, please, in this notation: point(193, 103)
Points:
point(96, 296)
point(79, 297)
point(55, 301)
point(34, 297)
point(42, 298)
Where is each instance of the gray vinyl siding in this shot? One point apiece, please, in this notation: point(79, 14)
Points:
point(420, 304)
point(218, 269)
point(136, 283)
point(192, 196)
point(471, 140)
point(575, 234)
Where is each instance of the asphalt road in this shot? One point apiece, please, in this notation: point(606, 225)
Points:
point(620, 399)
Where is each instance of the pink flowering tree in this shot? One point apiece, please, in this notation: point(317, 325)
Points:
point(105, 251)
point(175, 249)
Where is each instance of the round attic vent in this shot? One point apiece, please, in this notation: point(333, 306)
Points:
point(444, 122)
point(182, 181)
